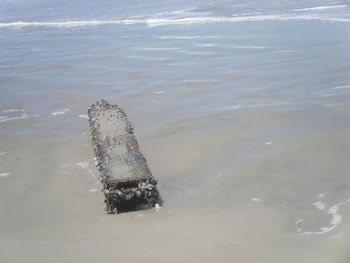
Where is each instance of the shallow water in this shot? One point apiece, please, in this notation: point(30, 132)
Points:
point(244, 122)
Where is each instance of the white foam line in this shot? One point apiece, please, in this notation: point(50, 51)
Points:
point(13, 110)
point(285, 51)
point(254, 199)
point(68, 23)
point(335, 221)
point(205, 45)
point(4, 174)
point(63, 111)
point(235, 107)
point(23, 116)
point(293, 10)
point(249, 47)
point(2, 153)
point(199, 20)
point(168, 21)
point(157, 48)
point(319, 8)
point(55, 113)
point(341, 87)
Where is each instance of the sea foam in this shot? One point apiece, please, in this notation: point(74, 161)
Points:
point(61, 112)
point(23, 116)
point(319, 8)
point(13, 110)
point(176, 21)
point(334, 222)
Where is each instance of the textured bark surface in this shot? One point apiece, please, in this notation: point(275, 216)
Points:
point(127, 181)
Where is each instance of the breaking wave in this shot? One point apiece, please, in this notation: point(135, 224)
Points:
point(320, 8)
point(66, 23)
point(160, 22)
point(209, 15)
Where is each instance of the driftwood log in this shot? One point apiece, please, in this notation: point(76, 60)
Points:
point(127, 181)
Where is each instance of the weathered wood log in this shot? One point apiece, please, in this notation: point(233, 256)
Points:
point(127, 181)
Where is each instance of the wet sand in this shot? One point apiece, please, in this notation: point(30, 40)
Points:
point(239, 200)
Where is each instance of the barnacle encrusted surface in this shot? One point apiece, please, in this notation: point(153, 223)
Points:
point(127, 180)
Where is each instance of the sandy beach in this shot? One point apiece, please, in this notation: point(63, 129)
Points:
point(244, 123)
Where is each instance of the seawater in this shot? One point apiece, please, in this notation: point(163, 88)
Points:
point(241, 109)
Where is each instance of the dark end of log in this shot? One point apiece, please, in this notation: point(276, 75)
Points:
point(127, 181)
